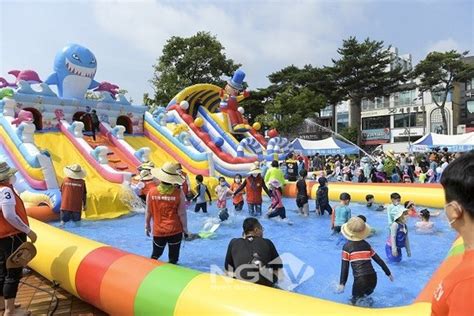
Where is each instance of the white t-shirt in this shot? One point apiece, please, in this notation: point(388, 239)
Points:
point(7, 197)
point(8, 203)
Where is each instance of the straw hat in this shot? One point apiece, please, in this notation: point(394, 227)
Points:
point(390, 153)
point(274, 183)
point(20, 258)
point(6, 172)
point(355, 229)
point(146, 166)
point(167, 173)
point(144, 175)
point(74, 172)
point(255, 170)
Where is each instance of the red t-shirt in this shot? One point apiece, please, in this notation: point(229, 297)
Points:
point(454, 296)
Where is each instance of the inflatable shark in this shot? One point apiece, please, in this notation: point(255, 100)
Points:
point(75, 68)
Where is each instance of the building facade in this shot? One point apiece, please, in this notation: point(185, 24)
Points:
point(463, 100)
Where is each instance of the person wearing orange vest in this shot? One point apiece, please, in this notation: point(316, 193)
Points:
point(73, 194)
point(14, 228)
point(238, 199)
point(165, 206)
point(253, 185)
point(454, 294)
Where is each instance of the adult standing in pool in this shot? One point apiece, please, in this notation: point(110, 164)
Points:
point(14, 229)
point(454, 295)
point(165, 205)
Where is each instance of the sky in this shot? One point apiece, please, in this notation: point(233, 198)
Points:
point(127, 37)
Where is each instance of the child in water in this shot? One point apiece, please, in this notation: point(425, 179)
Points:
point(425, 226)
point(200, 197)
point(322, 197)
point(223, 193)
point(276, 207)
point(370, 203)
point(238, 199)
point(359, 254)
point(394, 208)
point(398, 237)
point(302, 193)
point(342, 213)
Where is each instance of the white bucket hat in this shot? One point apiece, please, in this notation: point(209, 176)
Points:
point(167, 173)
point(144, 175)
point(74, 172)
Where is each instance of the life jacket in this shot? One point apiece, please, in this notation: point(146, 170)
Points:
point(6, 229)
point(239, 197)
point(164, 209)
point(72, 194)
point(253, 187)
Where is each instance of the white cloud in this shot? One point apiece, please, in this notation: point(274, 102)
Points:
point(444, 45)
point(264, 36)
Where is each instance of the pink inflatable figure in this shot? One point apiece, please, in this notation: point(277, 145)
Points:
point(108, 87)
point(23, 116)
point(29, 76)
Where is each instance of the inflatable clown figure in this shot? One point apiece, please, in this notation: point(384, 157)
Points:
point(230, 96)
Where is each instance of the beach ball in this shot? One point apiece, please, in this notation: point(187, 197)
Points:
point(184, 105)
point(198, 121)
point(257, 126)
point(272, 133)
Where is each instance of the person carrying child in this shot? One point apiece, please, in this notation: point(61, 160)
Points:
point(276, 207)
point(238, 199)
point(165, 207)
point(358, 253)
point(73, 194)
point(223, 192)
point(253, 186)
point(322, 197)
point(398, 237)
point(342, 213)
point(200, 198)
point(302, 193)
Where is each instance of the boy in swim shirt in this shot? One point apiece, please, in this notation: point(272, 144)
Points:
point(359, 254)
point(73, 194)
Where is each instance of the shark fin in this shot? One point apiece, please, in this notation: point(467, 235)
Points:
point(52, 79)
point(94, 84)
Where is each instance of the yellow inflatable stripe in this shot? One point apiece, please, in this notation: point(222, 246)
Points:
point(195, 164)
point(35, 173)
point(431, 197)
point(225, 296)
point(59, 254)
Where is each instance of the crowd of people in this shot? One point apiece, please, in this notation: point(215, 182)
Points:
point(167, 194)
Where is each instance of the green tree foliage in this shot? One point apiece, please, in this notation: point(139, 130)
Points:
point(365, 70)
point(188, 61)
point(349, 133)
point(289, 100)
point(437, 74)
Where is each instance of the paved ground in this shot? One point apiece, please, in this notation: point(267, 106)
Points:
point(39, 302)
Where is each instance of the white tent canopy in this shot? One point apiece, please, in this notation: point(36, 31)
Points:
point(454, 143)
point(328, 146)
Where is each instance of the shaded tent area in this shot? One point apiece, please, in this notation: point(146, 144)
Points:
point(328, 146)
point(454, 143)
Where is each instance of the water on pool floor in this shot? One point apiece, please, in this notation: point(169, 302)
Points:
point(308, 239)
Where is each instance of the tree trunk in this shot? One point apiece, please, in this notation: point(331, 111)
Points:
point(354, 120)
point(333, 119)
point(445, 121)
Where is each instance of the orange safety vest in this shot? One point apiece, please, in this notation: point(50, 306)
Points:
point(72, 194)
point(164, 209)
point(239, 197)
point(6, 229)
point(253, 187)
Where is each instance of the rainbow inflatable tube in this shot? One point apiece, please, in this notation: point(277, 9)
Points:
point(422, 194)
point(120, 283)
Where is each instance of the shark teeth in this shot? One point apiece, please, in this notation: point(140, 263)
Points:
point(80, 71)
